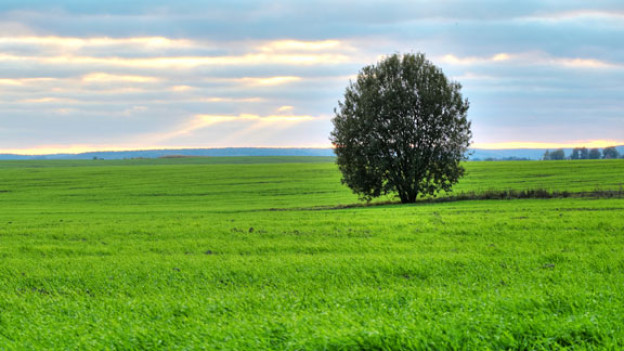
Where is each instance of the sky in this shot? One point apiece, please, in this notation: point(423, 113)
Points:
point(80, 75)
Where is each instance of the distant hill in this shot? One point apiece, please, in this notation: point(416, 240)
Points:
point(475, 154)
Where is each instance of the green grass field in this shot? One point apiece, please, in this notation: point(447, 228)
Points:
point(256, 254)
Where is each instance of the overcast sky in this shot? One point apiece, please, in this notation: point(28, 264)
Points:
point(81, 75)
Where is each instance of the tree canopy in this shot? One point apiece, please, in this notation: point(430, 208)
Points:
point(402, 128)
point(610, 152)
point(558, 154)
point(579, 153)
point(593, 154)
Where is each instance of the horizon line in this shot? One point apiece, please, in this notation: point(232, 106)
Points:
point(82, 149)
point(79, 151)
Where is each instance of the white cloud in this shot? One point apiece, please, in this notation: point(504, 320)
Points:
point(268, 81)
point(106, 78)
point(285, 108)
point(48, 100)
point(78, 42)
point(577, 15)
point(528, 59)
point(305, 46)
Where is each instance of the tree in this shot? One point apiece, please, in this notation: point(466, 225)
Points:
point(579, 153)
point(593, 154)
point(558, 154)
point(584, 153)
point(610, 152)
point(401, 128)
point(546, 156)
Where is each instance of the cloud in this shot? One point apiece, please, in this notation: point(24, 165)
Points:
point(285, 108)
point(305, 46)
point(576, 16)
point(181, 88)
point(211, 119)
point(269, 80)
point(184, 62)
point(106, 78)
point(112, 52)
point(229, 99)
point(78, 42)
point(24, 81)
point(529, 59)
point(583, 63)
point(47, 100)
point(5, 81)
point(95, 74)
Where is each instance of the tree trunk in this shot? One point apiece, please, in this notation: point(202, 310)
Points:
point(404, 197)
point(408, 197)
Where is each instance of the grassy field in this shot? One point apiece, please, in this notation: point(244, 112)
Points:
point(251, 253)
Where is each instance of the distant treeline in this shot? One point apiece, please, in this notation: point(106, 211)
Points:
point(508, 158)
point(473, 154)
point(582, 153)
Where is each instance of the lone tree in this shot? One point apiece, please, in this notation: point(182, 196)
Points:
point(401, 128)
